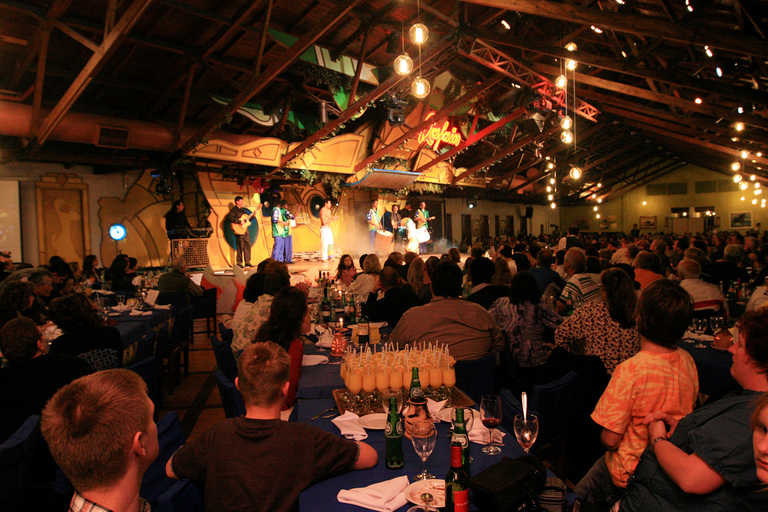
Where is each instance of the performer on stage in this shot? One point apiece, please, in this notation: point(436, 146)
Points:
point(374, 223)
point(391, 222)
point(412, 235)
point(239, 216)
point(282, 233)
point(176, 223)
point(326, 235)
point(422, 219)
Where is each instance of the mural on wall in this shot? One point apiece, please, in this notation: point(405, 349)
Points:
point(62, 217)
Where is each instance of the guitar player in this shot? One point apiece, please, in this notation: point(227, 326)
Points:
point(282, 233)
point(239, 215)
point(422, 219)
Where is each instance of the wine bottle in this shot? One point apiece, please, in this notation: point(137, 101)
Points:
point(352, 311)
point(393, 459)
point(325, 306)
point(416, 391)
point(456, 483)
point(363, 329)
point(460, 436)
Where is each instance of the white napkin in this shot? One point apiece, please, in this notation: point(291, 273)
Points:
point(349, 427)
point(435, 407)
point(104, 292)
point(136, 312)
point(480, 435)
point(384, 496)
point(164, 306)
point(325, 340)
point(136, 281)
point(310, 360)
point(124, 307)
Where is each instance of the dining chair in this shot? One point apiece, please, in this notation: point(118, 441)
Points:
point(182, 496)
point(16, 459)
point(148, 369)
point(170, 437)
point(225, 359)
point(204, 307)
point(102, 358)
point(555, 403)
point(475, 378)
point(226, 333)
point(178, 346)
point(230, 396)
point(146, 346)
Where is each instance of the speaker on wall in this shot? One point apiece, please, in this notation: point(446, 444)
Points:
point(529, 212)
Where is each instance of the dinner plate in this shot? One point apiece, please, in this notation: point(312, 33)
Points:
point(434, 487)
point(375, 421)
point(445, 414)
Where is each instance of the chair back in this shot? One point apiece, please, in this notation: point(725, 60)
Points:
point(183, 496)
point(475, 378)
point(230, 396)
point(170, 437)
point(102, 358)
point(161, 340)
point(148, 369)
point(16, 458)
point(555, 403)
point(205, 305)
point(177, 300)
point(225, 359)
point(226, 334)
point(182, 327)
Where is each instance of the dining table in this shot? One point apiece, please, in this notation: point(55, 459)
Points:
point(134, 327)
point(322, 496)
point(712, 364)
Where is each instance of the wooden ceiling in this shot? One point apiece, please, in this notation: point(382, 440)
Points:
point(659, 83)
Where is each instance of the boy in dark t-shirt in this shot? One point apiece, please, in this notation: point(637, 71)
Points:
point(258, 462)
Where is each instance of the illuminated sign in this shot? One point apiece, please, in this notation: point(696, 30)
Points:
point(436, 135)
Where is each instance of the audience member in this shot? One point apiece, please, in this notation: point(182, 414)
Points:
point(101, 433)
point(760, 437)
point(290, 456)
point(117, 274)
point(644, 273)
point(176, 281)
point(661, 377)
point(706, 297)
point(15, 298)
point(364, 282)
point(91, 270)
point(503, 274)
point(483, 292)
point(727, 270)
point(418, 281)
point(394, 303)
point(543, 273)
point(259, 312)
point(706, 461)
point(346, 270)
point(42, 286)
point(466, 328)
point(580, 287)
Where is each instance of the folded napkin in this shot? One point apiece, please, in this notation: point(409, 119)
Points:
point(164, 306)
point(136, 312)
point(51, 332)
point(435, 407)
point(349, 427)
point(384, 496)
point(326, 340)
point(310, 360)
point(480, 435)
point(124, 307)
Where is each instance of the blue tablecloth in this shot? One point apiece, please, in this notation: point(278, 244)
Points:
point(134, 328)
point(714, 366)
point(322, 496)
point(320, 380)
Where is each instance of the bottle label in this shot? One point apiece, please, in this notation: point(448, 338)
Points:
point(461, 501)
point(362, 330)
point(461, 439)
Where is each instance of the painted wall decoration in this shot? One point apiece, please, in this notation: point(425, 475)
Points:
point(62, 217)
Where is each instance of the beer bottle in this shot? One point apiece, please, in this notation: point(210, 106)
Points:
point(393, 459)
point(456, 483)
point(416, 391)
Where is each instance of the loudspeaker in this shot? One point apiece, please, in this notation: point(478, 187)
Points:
point(529, 212)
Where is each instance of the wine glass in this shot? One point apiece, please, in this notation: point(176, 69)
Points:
point(426, 499)
point(423, 436)
point(526, 430)
point(105, 310)
point(121, 301)
point(716, 323)
point(490, 412)
point(700, 326)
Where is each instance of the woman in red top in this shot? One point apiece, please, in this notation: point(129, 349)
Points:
point(288, 318)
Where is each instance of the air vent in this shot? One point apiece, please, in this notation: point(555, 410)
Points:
point(112, 137)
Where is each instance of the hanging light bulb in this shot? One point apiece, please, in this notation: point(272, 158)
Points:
point(758, 191)
point(743, 185)
point(757, 185)
point(403, 64)
point(566, 123)
point(420, 87)
point(550, 197)
point(549, 188)
point(575, 173)
point(561, 81)
point(743, 198)
point(552, 205)
point(754, 201)
point(550, 165)
point(735, 166)
point(752, 178)
point(744, 154)
point(599, 185)
point(571, 64)
point(594, 208)
point(552, 181)
point(600, 200)
point(645, 203)
point(566, 136)
point(419, 33)
point(597, 216)
point(736, 178)
point(571, 47)
point(739, 126)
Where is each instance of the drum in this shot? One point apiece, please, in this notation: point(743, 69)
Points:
point(383, 241)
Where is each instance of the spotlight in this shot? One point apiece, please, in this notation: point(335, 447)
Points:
point(395, 110)
point(163, 187)
point(575, 173)
point(471, 202)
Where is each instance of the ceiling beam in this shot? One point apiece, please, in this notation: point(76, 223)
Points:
point(633, 24)
point(259, 82)
point(91, 68)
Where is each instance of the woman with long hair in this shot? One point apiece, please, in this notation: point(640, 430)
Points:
point(607, 326)
point(363, 283)
point(418, 281)
point(288, 318)
point(346, 269)
point(91, 269)
point(503, 275)
point(118, 274)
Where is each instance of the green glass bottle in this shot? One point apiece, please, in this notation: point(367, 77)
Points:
point(325, 306)
point(461, 437)
point(363, 329)
point(393, 431)
point(456, 483)
point(352, 319)
point(416, 391)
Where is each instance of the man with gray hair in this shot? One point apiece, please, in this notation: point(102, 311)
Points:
point(705, 296)
point(580, 287)
point(42, 286)
point(177, 281)
point(728, 271)
point(644, 273)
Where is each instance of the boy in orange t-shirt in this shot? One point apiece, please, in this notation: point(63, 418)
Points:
point(660, 377)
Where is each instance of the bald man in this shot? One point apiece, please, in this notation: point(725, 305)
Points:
point(705, 296)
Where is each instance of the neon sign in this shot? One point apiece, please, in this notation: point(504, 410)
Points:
point(436, 135)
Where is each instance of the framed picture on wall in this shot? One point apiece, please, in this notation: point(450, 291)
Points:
point(582, 223)
point(739, 220)
point(503, 227)
point(475, 228)
point(647, 222)
point(608, 223)
point(717, 222)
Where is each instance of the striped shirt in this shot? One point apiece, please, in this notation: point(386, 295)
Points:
point(580, 286)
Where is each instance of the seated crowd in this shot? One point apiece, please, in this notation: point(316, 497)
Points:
point(622, 303)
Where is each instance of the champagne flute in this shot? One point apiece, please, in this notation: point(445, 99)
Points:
point(423, 436)
point(490, 412)
point(526, 430)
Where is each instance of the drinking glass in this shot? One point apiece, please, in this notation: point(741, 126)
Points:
point(526, 430)
point(385, 396)
point(105, 310)
point(700, 326)
point(686, 337)
point(121, 300)
point(716, 323)
point(423, 436)
point(490, 413)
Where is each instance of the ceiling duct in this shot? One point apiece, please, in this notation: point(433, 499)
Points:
point(112, 137)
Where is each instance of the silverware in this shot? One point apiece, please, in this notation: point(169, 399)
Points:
point(322, 413)
point(332, 415)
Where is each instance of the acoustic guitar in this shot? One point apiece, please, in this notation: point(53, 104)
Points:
point(241, 226)
point(421, 220)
